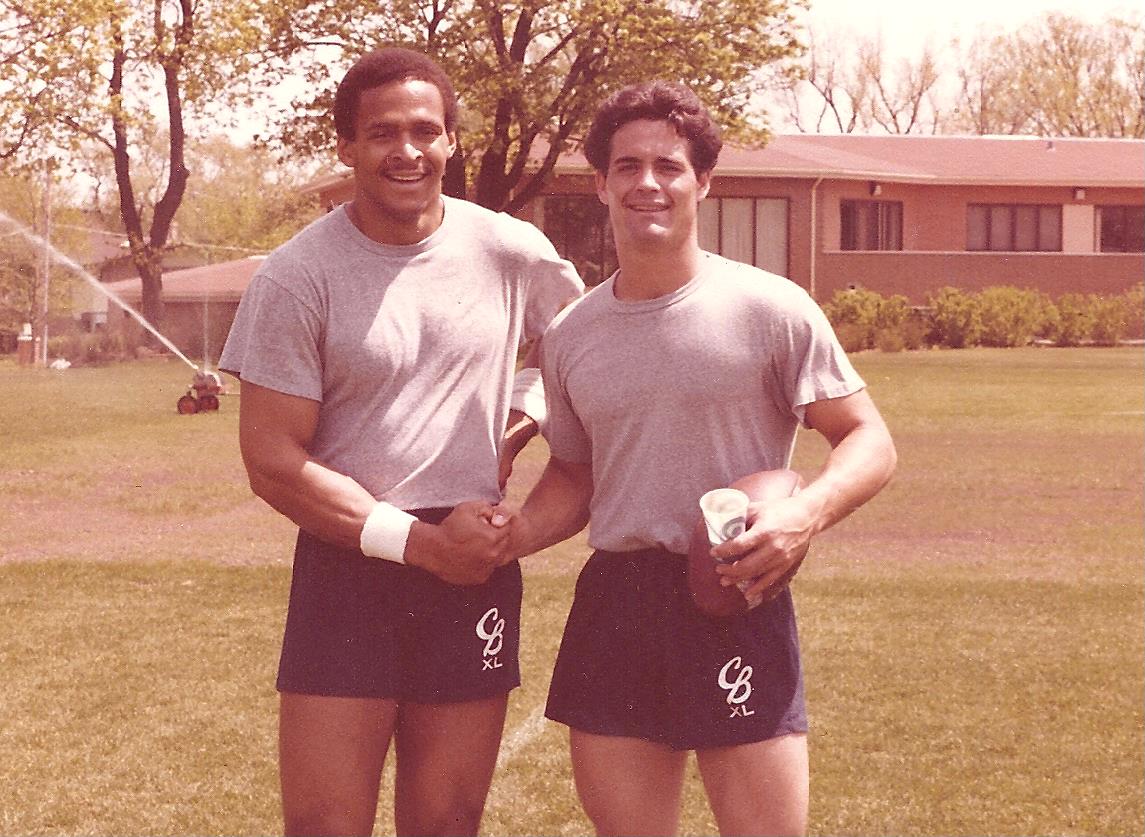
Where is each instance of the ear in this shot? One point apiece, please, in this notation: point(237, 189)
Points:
point(452, 138)
point(601, 188)
point(705, 183)
point(346, 152)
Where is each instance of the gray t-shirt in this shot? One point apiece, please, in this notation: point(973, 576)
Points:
point(410, 350)
point(671, 397)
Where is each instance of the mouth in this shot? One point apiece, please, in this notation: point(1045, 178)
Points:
point(650, 208)
point(405, 176)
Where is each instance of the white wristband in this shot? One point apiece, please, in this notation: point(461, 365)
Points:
point(529, 395)
point(385, 533)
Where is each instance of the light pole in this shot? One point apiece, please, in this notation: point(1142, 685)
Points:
point(46, 262)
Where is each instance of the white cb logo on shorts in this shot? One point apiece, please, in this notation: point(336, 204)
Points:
point(739, 690)
point(493, 636)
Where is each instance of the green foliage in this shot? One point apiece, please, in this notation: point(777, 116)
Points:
point(1071, 321)
point(87, 349)
point(1135, 312)
point(956, 318)
point(241, 200)
point(531, 74)
point(22, 259)
point(862, 318)
point(1011, 316)
point(1002, 316)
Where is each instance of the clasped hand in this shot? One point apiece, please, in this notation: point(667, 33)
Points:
point(472, 542)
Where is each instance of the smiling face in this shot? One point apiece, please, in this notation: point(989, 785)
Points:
point(398, 153)
point(651, 189)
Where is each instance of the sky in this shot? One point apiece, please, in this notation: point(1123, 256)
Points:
point(906, 25)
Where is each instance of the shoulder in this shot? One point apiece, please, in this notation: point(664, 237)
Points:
point(582, 311)
point(514, 236)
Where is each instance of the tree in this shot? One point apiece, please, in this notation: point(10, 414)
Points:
point(241, 200)
point(21, 260)
point(530, 73)
point(850, 85)
point(105, 72)
point(1056, 76)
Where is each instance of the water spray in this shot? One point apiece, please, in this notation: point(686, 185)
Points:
point(202, 395)
point(72, 265)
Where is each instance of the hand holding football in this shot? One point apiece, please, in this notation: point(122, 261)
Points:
point(712, 598)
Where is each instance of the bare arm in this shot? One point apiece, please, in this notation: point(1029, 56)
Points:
point(275, 432)
point(556, 508)
point(861, 462)
point(520, 427)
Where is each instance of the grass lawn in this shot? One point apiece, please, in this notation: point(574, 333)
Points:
point(973, 639)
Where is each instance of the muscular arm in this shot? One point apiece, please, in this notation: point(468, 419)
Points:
point(556, 508)
point(275, 432)
point(861, 462)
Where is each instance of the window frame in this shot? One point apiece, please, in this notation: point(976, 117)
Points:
point(853, 232)
point(1124, 225)
point(1045, 240)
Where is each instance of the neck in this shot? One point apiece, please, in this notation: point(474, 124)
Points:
point(388, 229)
point(648, 275)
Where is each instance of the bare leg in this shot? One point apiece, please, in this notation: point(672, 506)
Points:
point(758, 788)
point(626, 785)
point(446, 754)
point(330, 754)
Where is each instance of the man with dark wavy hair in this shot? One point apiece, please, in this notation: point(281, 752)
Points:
point(682, 373)
point(379, 413)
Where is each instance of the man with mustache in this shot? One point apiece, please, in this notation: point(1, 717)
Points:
point(376, 351)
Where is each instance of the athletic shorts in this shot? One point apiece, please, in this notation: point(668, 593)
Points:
point(366, 627)
point(639, 660)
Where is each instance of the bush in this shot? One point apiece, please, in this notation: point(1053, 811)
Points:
point(1011, 316)
point(998, 316)
point(860, 316)
point(956, 320)
point(84, 349)
point(1071, 320)
point(1135, 312)
point(1110, 320)
point(890, 340)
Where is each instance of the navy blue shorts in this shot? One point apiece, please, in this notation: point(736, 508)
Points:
point(365, 627)
point(639, 660)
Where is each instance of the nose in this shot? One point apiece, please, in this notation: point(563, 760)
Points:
point(646, 179)
point(406, 149)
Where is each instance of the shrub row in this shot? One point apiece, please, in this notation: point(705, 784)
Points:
point(998, 316)
point(83, 348)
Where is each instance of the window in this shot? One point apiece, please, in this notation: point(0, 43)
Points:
point(748, 230)
point(1121, 229)
point(1014, 228)
point(578, 227)
point(870, 225)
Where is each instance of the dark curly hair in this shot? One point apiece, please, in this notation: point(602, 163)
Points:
point(384, 66)
point(659, 100)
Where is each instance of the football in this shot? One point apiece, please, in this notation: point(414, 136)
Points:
point(710, 597)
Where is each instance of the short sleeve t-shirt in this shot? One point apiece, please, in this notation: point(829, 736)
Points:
point(409, 350)
point(671, 397)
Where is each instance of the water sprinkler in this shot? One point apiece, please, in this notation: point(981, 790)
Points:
point(203, 394)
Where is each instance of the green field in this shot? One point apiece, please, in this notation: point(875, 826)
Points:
point(973, 639)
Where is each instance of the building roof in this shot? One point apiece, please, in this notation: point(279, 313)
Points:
point(224, 281)
point(911, 158)
point(995, 161)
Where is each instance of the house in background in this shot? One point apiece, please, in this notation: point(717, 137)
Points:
point(895, 214)
point(199, 304)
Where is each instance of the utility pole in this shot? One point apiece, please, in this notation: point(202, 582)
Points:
point(46, 260)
